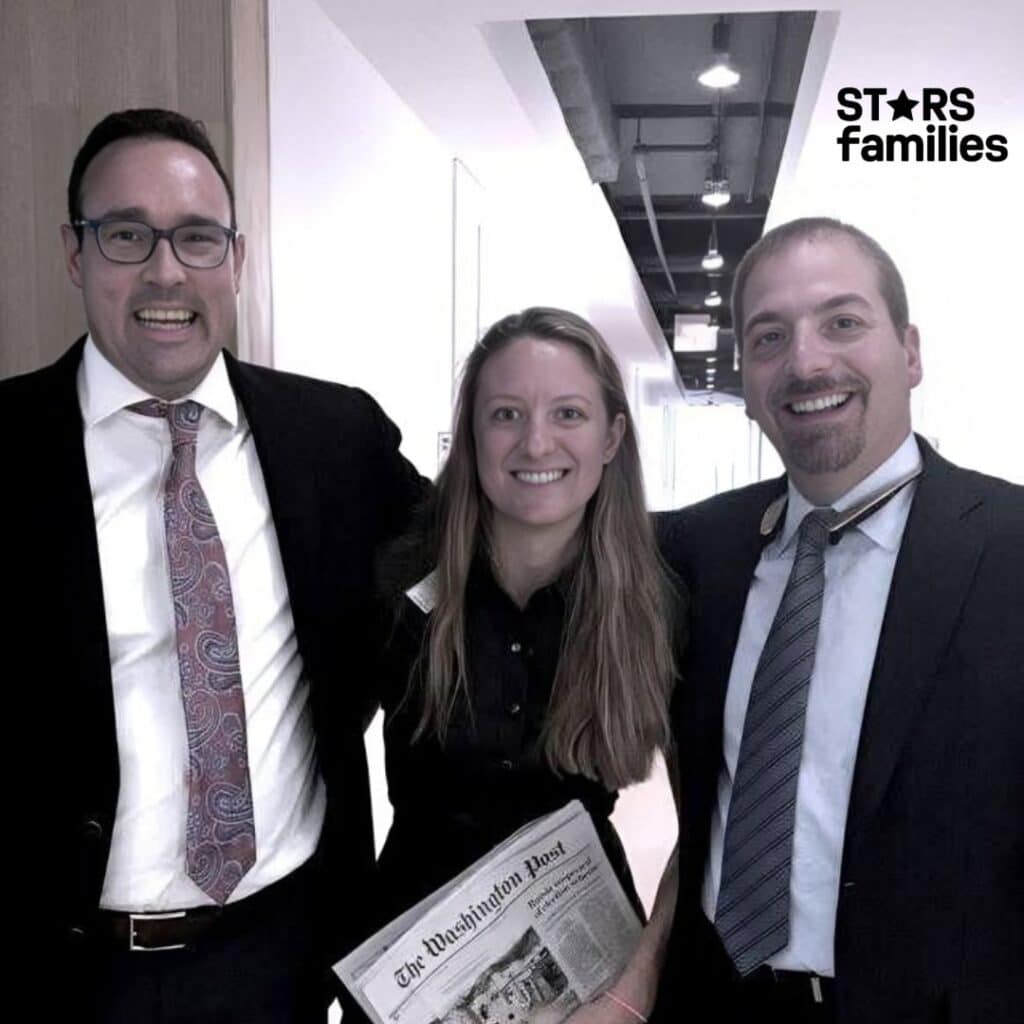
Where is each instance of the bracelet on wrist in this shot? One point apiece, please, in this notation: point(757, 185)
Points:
point(631, 1010)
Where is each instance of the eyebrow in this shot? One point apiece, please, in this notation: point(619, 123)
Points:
point(136, 213)
point(122, 213)
point(845, 299)
point(557, 398)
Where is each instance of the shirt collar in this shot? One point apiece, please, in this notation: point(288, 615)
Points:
point(484, 585)
point(103, 390)
point(885, 527)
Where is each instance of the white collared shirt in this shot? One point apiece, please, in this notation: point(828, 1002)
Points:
point(128, 456)
point(858, 573)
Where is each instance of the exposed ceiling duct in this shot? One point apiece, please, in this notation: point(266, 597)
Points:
point(630, 85)
point(574, 69)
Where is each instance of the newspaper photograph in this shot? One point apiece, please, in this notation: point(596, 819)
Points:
point(527, 934)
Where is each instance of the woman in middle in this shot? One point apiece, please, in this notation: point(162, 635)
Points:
point(531, 662)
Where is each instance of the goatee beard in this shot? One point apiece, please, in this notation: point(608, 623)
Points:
point(825, 450)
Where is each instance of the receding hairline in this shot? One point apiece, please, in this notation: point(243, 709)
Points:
point(814, 230)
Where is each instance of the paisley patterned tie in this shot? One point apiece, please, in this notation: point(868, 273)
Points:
point(220, 831)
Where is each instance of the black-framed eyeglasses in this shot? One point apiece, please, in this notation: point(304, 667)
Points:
point(200, 246)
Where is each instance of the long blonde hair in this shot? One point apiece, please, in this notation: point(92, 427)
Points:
point(608, 710)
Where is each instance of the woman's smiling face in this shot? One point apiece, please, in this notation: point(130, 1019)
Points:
point(542, 435)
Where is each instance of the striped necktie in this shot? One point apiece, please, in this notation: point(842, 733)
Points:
point(752, 915)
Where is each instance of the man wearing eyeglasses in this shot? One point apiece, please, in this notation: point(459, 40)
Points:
point(190, 544)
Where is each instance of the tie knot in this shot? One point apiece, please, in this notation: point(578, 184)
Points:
point(816, 524)
point(182, 417)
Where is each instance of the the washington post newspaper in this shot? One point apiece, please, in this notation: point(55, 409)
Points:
point(528, 933)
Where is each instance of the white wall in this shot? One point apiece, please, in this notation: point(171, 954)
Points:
point(361, 196)
point(361, 219)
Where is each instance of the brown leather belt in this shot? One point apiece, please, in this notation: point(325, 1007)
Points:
point(181, 929)
point(176, 929)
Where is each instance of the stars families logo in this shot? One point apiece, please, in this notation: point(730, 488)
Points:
point(940, 112)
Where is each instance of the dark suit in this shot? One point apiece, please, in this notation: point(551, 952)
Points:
point(337, 487)
point(930, 924)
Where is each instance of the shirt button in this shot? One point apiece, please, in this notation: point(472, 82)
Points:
point(92, 829)
point(514, 709)
point(516, 646)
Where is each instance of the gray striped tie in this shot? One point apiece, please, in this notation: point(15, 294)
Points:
point(752, 916)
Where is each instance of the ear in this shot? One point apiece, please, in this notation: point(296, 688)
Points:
point(239, 255)
point(616, 432)
point(72, 254)
point(912, 348)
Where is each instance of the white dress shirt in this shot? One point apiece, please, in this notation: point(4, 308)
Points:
point(128, 456)
point(858, 572)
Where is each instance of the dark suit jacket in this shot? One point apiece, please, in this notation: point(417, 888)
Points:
point(337, 488)
point(930, 922)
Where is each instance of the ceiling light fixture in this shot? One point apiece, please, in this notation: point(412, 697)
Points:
point(712, 299)
point(713, 259)
point(716, 192)
point(716, 187)
point(721, 74)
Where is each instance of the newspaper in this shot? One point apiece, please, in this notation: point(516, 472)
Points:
point(528, 933)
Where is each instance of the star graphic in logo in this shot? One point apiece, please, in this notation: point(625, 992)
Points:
point(903, 106)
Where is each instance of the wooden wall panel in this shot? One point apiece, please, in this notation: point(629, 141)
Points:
point(64, 64)
point(250, 146)
point(17, 239)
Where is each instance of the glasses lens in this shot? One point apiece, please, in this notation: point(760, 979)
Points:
point(201, 245)
point(125, 241)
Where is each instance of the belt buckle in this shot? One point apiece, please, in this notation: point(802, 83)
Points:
point(134, 947)
point(817, 996)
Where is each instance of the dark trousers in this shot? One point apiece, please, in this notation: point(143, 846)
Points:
point(767, 997)
point(700, 986)
point(259, 964)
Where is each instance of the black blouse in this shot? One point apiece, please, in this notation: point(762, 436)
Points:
point(453, 803)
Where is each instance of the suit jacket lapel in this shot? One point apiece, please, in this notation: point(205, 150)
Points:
point(941, 545)
point(719, 574)
point(66, 504)
point(286, 461)
point(724, 589)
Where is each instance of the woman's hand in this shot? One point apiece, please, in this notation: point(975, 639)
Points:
point(631, 998)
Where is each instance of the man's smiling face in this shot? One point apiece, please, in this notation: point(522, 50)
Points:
point(160, 323)
point(826, 374)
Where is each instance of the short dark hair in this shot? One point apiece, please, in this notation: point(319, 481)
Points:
point(890, 281)
point(149, 122)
